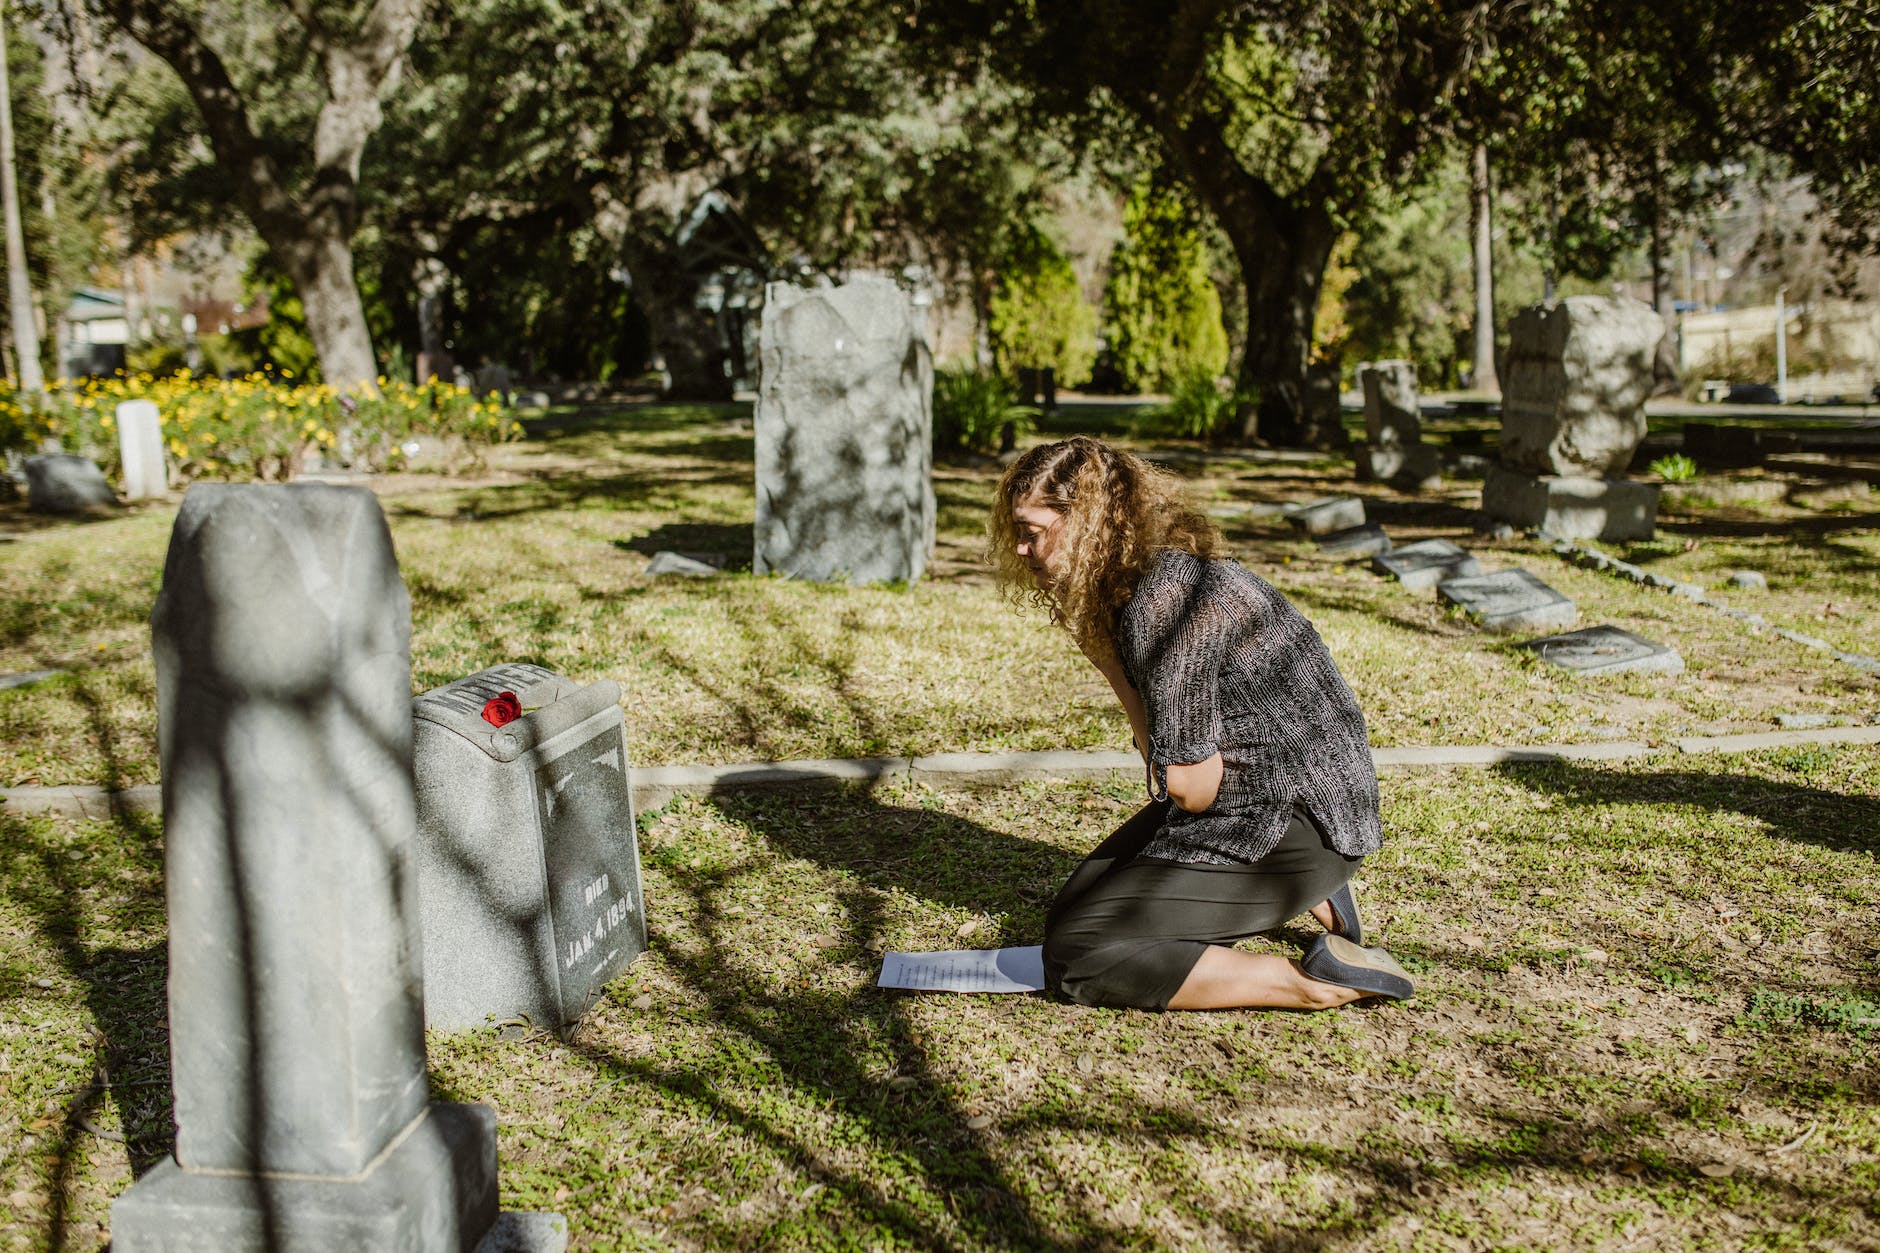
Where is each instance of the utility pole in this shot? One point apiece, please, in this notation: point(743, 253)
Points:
point(19, 289)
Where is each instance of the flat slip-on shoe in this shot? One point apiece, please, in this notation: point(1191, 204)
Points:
point(1345, 911)
point(1334, 959)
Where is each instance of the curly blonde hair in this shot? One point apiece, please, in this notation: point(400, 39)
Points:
point(1119, 513)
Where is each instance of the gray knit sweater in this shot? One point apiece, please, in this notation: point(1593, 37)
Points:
point(1225, 663)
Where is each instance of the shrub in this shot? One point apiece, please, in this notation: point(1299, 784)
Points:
point(1163, 313)
point(262, 426)
point(1201, 405)
point(1038, 317)
point(1675, 468)
point(971, 407)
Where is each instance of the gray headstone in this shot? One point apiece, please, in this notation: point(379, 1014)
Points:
point(1321, 517)
point(1575, 383)
point(1425, 563)
point(62, 483)
point(1392, 416)
point(1415, 466)
point(667, 562)
point(295, 998)
point(844, 434)
point(1605, 650)
point(529, 866)
point(140, 448)
point(1572, 508)
point(1355, 541)
point(1509, 600)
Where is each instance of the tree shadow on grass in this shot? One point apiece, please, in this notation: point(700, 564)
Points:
point(918, 1159)
point(1793, 810)
point(123, 988)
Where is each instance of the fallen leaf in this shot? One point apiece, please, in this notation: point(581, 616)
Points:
point(901, 1083)
point(1595, 956)
point(1086, 1064)
point(979, 1122)
point(1632, 1166)
point(1588, 1158)
point(562, 1193)
point(1716, 1170)
point(642, 1001)
point(967, 928)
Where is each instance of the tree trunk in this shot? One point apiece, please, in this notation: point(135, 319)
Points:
point(322, 270)
point(1482, 374)
point(308, 226)
point(1282, 245)
point(687, 337)
point(432, 278)
point(19, 287)
point(1666, 379)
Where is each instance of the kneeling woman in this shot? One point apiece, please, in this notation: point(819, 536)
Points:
point(1263, 795)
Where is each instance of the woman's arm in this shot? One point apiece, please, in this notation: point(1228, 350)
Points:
point(1192, 787)
point(1111, 668)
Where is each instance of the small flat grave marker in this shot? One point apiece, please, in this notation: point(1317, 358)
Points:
point(1509, 600)
point(1354, 542)
point(1606, 650)
point(530, 871)
point(1322, 517)
point(1426, 563)
point(693, 565)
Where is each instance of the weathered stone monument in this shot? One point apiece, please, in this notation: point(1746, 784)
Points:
point(1394, 450)
point(528, 865)
point(1352, 542)
point(296, 1002)
point(1572, 415)
point(1606, 650)
point(1509, 601)
point(1424, 564)
point(1326, 515)
point(140, 449)
point(844, 432)
point(60, 482)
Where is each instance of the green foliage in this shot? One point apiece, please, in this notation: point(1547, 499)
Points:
point(1846, 1012)
point(262, 426)
point(1201, 406)
point(1411, 299)
point(1039, 317)
point(971, 407)
point(1675, 468)
point(1162, 311)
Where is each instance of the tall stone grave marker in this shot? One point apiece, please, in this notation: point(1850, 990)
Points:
point(296, 1003)
point(529, 870)
point(1572, 415)
point(140, 448)
point(844, 432)
point(1394, 450)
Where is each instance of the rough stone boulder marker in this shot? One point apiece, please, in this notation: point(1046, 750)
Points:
point(844, 431)
point(1572, 415)
point(296, 997)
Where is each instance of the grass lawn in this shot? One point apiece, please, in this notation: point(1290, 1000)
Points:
point(1649, 1005)
point(1647, 1019)
point(543, 559)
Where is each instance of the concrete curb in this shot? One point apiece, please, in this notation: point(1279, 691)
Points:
point(654, 786)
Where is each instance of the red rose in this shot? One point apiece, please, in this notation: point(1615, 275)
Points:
point(502, 708)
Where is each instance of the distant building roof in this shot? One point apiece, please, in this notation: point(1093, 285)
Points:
point(94, 304)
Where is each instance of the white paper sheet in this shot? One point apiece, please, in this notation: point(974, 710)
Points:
point(966, 970)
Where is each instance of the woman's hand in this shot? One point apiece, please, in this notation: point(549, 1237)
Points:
point(1194, 787)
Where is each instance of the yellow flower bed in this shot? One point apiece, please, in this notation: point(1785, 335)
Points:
point(261, 426)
